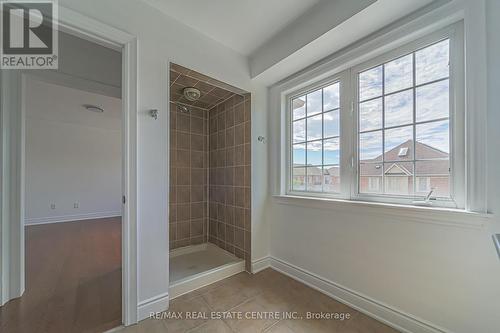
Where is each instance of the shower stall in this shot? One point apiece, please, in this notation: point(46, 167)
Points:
point(210, 185)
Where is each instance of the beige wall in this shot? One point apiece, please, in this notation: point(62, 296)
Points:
point(229, 176)
point(188, 176)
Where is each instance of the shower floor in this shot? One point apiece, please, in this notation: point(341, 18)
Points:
point(193, 267)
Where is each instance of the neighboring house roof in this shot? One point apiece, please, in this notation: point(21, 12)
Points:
point(399, 156)
point(440, 166)
point(299, 170)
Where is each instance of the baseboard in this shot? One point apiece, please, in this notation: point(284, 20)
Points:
point(70, 218)
point(152, 305)
point(261, 264)
point(384, 313)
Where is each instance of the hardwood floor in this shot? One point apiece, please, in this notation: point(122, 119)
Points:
point(73, 279)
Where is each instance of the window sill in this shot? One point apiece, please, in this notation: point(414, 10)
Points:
point(422, 214)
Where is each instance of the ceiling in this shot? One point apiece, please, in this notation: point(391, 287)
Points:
point(240, 25)
point(213, 92)
point(56, 103)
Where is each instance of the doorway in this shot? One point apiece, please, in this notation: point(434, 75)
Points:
point(13, 164)
point(210, 186)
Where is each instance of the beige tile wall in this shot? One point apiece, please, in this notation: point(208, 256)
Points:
point(188, 176)
point(229, 176)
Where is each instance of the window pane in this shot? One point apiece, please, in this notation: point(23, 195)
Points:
point(331, 179)
point(432, 63)
point(331, 97)
point(331, 124)
point(299, 179)
point(299, 131)
point(370, 115)
point(395, 139)
point(433, 140)
point(398, 178)
point(399, 74)
point(314, 127)
point(299, 154)
point(370, 146)
point(314, 102)
point(331, 151)
point(314, 153)
point(370, 178)
point(433, 101)
point(438, 175)
point(314, 179)
point(422, 185)
point(370, 83)
point(399, 109)
point(299, 107)
point(315, 140)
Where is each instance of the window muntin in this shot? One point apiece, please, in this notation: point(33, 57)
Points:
point(403, 106)
point(315, 133)
point(435, 107)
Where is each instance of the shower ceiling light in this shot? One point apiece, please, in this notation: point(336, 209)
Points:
point(191, 94)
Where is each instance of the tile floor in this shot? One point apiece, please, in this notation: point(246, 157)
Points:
point(265, 292)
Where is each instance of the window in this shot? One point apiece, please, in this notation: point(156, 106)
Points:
point(404, 116)
point(316, 140)
point(423, 184)
point(374, 184)
point(389, 129)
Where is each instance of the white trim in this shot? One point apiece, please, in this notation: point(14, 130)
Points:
point(420, 214)
point(387, 314)
point(395, 36)
point(261, 264)
point(154, 304)
point(70, 218)
point(197, 281)
point(12, 150)
point(12, 283)
point(476, 101)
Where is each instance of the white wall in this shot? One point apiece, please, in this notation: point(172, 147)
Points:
point(72, 155)
point(447, 276)
point(162, 39)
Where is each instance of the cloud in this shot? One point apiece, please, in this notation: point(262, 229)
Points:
point(433, 101)
point(432, 63)
point(331, 97)
point(396, 136)
point(399, 109)
point(370, 83)
point(370, 145)
point(314, 101)
point(370, 115)
point(398, 74)
point(435, 134)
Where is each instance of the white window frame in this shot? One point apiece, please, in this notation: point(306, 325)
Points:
point(349, 180)
point(344, 122)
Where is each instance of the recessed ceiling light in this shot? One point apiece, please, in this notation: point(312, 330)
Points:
point(192, 94)
point(93, 108)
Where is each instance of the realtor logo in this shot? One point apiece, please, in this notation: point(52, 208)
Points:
point(29, 38)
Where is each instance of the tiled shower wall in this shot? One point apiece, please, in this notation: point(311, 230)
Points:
point(188, 176)
point(229, 176)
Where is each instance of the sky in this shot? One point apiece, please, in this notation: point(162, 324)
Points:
point(395, 79)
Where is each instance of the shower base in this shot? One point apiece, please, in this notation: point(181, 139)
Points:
point(196, 266)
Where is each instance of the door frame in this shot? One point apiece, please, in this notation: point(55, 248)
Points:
point(12, 158)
